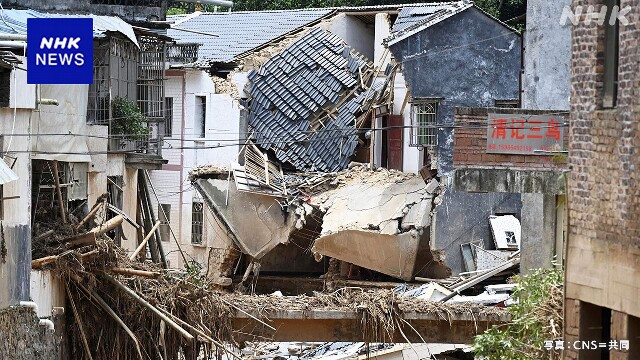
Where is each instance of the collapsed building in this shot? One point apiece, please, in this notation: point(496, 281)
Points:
point(306, 110)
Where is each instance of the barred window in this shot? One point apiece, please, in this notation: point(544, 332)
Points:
point(424, 117)
point(197, 217)
point(168, 118)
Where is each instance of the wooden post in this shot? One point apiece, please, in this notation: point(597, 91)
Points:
point(372, 152)
point(90, 215)
point(153, 249)
point(144, 242)
point(56, 179)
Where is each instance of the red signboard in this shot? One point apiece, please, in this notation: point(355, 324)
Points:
point(524, 134)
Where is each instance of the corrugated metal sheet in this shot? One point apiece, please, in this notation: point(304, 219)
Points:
point(240, 31)
point(6, 174)
point(15, 22)
point(291, 94)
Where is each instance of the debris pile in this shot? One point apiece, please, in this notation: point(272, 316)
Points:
point(148, 312)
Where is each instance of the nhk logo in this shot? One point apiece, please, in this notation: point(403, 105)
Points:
point(60, 50)
point(600, 15)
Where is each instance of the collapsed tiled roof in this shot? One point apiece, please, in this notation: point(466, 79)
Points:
point(304, 102)
point(239, 32)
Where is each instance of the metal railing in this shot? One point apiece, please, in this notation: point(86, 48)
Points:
point(182, 53)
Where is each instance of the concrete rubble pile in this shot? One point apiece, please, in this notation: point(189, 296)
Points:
point(377, 220)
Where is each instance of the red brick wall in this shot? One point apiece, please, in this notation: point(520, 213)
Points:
point(470, 143)
point(604, 184)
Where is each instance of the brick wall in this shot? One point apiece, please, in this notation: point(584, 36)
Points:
point(470, 142)
point(604, 189)
point(604, 142)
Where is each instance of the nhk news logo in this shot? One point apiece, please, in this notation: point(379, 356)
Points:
point(60, 50)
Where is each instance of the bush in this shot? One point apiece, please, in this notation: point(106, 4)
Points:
point(535, 318)
point(127, 119)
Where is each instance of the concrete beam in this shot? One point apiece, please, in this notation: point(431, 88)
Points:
point(330, 326)
point(485, 180)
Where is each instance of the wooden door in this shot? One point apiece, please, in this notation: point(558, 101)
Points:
point(394, 142)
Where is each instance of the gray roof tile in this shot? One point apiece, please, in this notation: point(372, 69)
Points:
point(240, 31)
point(322, 76)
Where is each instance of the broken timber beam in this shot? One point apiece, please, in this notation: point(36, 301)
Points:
point(152, 308)
point(144, 241)
point(90, 215)
point(331, 326)
point(135, 272)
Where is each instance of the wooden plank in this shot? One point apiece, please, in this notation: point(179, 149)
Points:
point(56, 179)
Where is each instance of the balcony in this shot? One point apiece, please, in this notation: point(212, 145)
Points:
point(180, 54)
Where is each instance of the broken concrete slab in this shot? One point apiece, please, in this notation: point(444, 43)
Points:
point(394, 255)
point(376, 220)
point(257, 222)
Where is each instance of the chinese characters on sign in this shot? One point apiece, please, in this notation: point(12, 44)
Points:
point(524, 134)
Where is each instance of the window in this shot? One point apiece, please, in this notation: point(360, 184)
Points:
point(611, 46)
point(197, 217)
point(200, 116)
point(507, 104)
point(164, 215)
point(168, 116)
point(425, 116)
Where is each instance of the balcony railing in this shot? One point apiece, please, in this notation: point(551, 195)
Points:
point(140, 145)
point(182, 53)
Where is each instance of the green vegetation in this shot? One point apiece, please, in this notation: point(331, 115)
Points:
point(536, 318)
point(128, 120)
point(502, 9)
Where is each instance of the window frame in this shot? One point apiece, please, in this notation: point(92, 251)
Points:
point(168, 117)
point(201, 121)
point(424, 129)
point(611, 58)
point(165, 221)
point(197, 227)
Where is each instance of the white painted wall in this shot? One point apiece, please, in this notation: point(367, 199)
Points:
point(382, 31)
point(411, 156)
point(355, 32)
point(187, 150)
